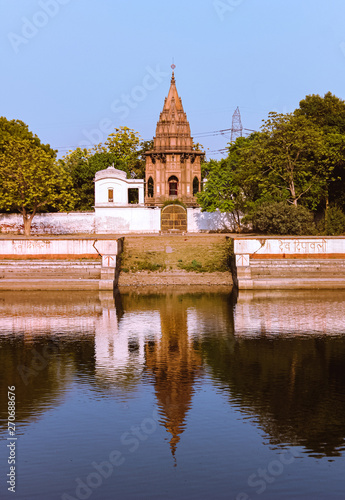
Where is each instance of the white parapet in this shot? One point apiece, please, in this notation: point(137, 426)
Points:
point(289, 246)
point(289, 262)
point(63, 263)
point(59, 247)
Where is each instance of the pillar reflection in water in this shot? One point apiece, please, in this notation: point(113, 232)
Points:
point(120, 339)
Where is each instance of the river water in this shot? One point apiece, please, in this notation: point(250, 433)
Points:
point(174, 395)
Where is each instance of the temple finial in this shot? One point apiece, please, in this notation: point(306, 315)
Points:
point(173, 75)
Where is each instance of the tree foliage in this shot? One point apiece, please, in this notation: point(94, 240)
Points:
point(82, 165)
point(334, 222)
point(298, 158)
point(123, 149)
point(328, 113)
point(282, 218)
point(220, 189)
point(285, 159)
point(16, 128)
point(30, 180)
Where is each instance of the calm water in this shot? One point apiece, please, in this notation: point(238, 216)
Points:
point(174, 395)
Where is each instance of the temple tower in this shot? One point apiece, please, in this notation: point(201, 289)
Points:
point(173, 165)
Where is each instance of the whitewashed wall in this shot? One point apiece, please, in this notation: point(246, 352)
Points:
point(51, 223)
point(134, 219)
point(123, 220)
point(198, 221)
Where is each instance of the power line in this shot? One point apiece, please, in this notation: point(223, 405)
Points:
point(198, 135)
point(214, 132)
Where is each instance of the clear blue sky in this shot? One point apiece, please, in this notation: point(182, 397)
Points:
point(73, 69)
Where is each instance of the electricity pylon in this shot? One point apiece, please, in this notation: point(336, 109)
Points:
point(236, 127)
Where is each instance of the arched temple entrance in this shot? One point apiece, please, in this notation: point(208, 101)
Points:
point(173, 219)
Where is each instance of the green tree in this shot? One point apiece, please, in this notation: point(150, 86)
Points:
point(82, 165)
point(124, 143)
point(30, 179)
point(284, 161)
point(298, 158)
point(140, 167)
point(328, 113)
point(17, 128)
point(123, 149)
point(288, 152)
point(221, 191)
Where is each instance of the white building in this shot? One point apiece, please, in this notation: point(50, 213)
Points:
point(113, 189)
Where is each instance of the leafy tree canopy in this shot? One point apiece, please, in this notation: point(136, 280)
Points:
point(288, 154)
point(30, 179)
point(291, 158)
point(123, 149)
point(327, 112)
point(16, 128)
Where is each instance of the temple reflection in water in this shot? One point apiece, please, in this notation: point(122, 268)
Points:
point(278, 357)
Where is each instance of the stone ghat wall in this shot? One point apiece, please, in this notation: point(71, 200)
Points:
point(289, 262)
point(123, 220)
point(59, 263)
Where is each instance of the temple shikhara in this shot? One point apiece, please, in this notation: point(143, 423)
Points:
point(173, 165)
point(166, 200)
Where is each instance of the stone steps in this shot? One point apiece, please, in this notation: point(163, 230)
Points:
point(290, 283)
point(292, 274)
point(329, 268)
point(49, 270)
point(51, 284)
point(146, 278)
point(42, 274)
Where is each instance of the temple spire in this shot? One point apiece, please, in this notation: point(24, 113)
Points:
point(173, 131)
point(172, 165)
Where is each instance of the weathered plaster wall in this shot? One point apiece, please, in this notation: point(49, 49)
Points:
point(198, 221)
point(51, 223)
point(123, 220)
point(127, 219)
